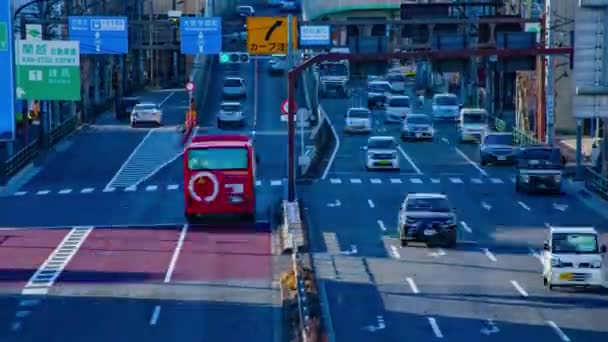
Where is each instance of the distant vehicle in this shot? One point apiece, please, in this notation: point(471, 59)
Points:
point(429, 218)
point(398, 82)
point(358, 120)
point(381, 153)
point(377, 92)
point(334, 76)
point(539, 168)
point(219, 177)
point(146, 113)
point(273, 3)
point(234, 87)
point(278, 65)
point(245, 11)
point(125, 106)
point(397, 108)
point(473, 124)
point(498, 148)
point(417, 126)
point(230, 113)
point(289, 6)
point(446, 107)
point(573, 256)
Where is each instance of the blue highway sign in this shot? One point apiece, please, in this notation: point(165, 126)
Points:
point(100, 35)
point(7, 82)
point(201, 35)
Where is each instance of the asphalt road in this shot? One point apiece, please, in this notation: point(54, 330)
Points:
point(487, 288)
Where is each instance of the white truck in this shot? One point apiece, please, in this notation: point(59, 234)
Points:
point(334, 76)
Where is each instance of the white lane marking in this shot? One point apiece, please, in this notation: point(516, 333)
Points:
point(87, 190)
point(22, 313)
point(151, 188)
point(474, 164)
point(128, 160)
point(413, 286)
point(435, 180)
point(43, 192)
point(131, 188)
point(409, 160)
point(375, 181)
point(535, 254)
point(29, 302)
point(172, 187)
point(65, 191)
point(381, 225)
point(445, 140)
point(519, 289)
point(178, 248)
point(523, 205)
point(355, 180)
point(455, 180)
point(336, 148)
point(416, 180)
point(489, 254)
point(371, 203)
point(20, 193)
point(335, 181)
point(486, 206)
point(476, 181)
point(395, 252)
point(166, 98)
point(109, 189)
point(558, 331)
point(435, 327)
point(466, 227)
point(496, 180)
point(276, 183)
point(155, 315)
point(395, 180)
point(258, 183)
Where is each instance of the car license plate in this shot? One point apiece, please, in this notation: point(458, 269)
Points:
point(384, 162)
point(565, 276)
point(429, 232)
point(502, 158)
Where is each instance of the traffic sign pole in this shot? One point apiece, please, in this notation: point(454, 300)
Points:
point(291, 186)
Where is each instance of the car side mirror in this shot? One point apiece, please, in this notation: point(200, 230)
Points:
point(603, 249)
point(546, 245)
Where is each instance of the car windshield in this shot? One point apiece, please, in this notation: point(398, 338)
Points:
point(379, 87)
point(396, 78)
point(232, 82)
point(399, 102)
point(381, 143)
point(446, 101)
point(428, 204)
point(502, 139)
point(231, 107)
point(418, 120)
point(359, 114)
point(146, 107)
point(474, 118)
point(540, 154)
point(574, 243)
point(218, 159)
point(333, 69)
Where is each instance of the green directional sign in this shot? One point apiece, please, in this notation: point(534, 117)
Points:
point(48, 70)
point(3, 36)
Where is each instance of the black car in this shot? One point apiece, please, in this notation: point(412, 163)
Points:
point(428, 218)
point(498, 148)
point(539, 168)
point(377, 92)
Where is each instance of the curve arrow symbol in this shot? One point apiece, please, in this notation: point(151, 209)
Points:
point(274, 26)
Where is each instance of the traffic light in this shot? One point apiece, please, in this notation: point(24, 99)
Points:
point(234, 57)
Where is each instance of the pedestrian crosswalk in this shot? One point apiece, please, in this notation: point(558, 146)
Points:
point(420, 180)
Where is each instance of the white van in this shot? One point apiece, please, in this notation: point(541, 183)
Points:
point(446, 106)
point(573, 256)
point(397, 108)
point(358, 120)
point(473, 124)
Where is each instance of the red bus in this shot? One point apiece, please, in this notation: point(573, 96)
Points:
point(219, 177)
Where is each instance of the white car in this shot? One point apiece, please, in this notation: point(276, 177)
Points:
point(473, 124)
point(146, 113)
point(446, 107)
point(277, 65)
point(245, 11)
point(230, 113)
point(234, 87)
point(358, 120)
point(573, 256)
point(417, 126)
point(381, 153)
point(397, 108)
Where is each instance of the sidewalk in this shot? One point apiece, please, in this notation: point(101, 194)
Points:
point(568, 147)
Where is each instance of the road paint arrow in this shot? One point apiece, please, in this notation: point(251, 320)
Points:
point(490, 328)
point(560, 207)
point(337, 203)
point(440, 252)
point(486, 206)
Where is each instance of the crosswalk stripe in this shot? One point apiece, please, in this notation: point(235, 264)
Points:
point(20, 193)
point(109, 189)
point(131, 189)
point(455, 180)
point(435, 180)
point(43, 192)
point(87, 190)
point(65, 191)
point(335, 181)
point(395, 180)
point(476, 180)
point(258, 183)
point(496, 180)
point(174, 187)
point(151, 188)
point(276, 183)
point(355, 180)
point(416, 180)
point(376, 181)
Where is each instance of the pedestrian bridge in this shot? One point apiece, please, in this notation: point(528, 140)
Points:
point(317, 9)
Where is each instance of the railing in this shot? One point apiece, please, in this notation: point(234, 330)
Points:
point(20, 159)
point(314, 9)
point(596, 183)
point(63, 130)
point(520, 137)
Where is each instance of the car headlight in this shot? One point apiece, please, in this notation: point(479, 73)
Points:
point(556, 262)
point(596, 264)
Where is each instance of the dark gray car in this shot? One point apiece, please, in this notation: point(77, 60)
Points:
point(498, 148)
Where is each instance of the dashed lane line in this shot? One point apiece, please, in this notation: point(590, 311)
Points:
point(396, 181)
point(435, 327)
point(381, 225)
point(52, 267)
point(176, 251)
point(472, 163)
point(355, 181)
point(558, 331)
point(523, 205)
point(335, 181)
point(519, 289)
point(395, 252)
point(155, 315)
point(371, 203)
point(409, 160)
point(412, 285)
point(466, 227)
point(489, 254)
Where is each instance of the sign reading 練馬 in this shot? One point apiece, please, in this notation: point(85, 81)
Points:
point(315, 35)
point(100, 35)
point(7, 80)
point(48, 70)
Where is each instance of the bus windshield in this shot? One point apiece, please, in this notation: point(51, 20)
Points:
point(473, 118)
point(218, 159)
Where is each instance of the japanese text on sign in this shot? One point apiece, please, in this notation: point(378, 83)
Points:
point(205, 24)
point(42, 54)
point(270, 35)
point(98, 24)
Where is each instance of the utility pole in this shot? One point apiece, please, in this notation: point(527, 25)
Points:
point(291, 160)
point(549, 108)
point(151, 37)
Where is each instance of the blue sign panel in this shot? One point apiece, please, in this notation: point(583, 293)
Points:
point(201, 35)
point(100, 35)
point(7, 82)
point(315, 35)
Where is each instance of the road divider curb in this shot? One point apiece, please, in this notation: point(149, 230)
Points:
point(299, 292)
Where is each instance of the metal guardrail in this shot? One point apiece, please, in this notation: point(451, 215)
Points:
point(63, 130)
point(596, 183)
point(19, 160)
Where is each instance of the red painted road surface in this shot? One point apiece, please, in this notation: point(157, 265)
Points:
point(22, 252)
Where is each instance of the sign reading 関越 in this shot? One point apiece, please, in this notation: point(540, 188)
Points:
point(48, 70)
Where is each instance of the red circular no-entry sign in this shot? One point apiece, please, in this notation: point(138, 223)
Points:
point(285, 107)
point(189, 87)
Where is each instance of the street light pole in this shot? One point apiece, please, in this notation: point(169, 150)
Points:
point(291, 179)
